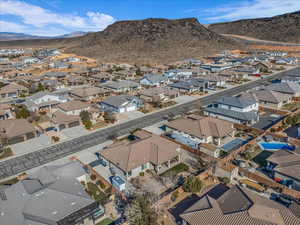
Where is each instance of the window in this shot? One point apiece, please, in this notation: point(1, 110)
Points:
point(129, 173)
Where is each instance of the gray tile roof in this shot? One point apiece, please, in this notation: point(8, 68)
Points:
point(45, 197)
point(243, 116)
point(119, 100)
point(285, 87)
point(236, 102)
point(155, 78)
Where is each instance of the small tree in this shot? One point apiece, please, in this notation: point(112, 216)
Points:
point(192, 184)
point(140, 212)
point(22, 112)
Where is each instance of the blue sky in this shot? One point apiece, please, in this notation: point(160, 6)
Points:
point(56, 17)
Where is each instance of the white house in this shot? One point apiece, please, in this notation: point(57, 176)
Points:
point(154, 80)
point(43, 101)
point(121, 104)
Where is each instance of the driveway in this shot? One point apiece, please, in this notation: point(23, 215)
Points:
point(74, 132)
point(184, 99)
point(31, 145)
point(129, 116)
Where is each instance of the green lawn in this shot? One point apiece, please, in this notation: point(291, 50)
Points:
point(96, 193)
point(106, 221)
point(181, 167)
point(291, 106)
point(7, 152)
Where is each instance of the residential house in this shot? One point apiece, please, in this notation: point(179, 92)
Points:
point(215, 68)
point(55, 75)
point(195, 130)
point(158, 94)
point(268, 98)
point(288, 88)
point(291, 79)
point(5, 111)
point(88, 93)
point(75, 80)
point(74, 107)
point(51, 195)
point(154, 80)
point(178, 74)
point(60, 65)
point(284, 167)
point(43, 101)
point(121, 86)
point(16, 130)
point(190, 86)
point(214, 80)
point(249, 70)
point(121, 104)
point(60, 121)
point(12, 90)
point(234, 109)
point(234, 205)
point(151, 153)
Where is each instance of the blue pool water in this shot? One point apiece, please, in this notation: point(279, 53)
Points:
point(274, 146)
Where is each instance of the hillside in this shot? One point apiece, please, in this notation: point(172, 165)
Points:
point(152, 40)
point(146, 41)
point(282, 28)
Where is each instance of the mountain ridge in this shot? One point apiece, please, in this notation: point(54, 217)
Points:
point(282, 28)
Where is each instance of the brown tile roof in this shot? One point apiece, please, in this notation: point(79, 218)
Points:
point(15, 127)
point(238, 206)
point(62, 118)
point(88, 91)
point(154, 149)
point(73, 105)
point(152, 92)
point(13, 87)
point(202, 127)
point(267, 96)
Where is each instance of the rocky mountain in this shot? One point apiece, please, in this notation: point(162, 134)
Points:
point(152, 40)
point(10, 36)
point(283, 28)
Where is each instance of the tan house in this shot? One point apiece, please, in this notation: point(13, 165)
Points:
point(62, 121)
point(158, 94)
point(195, 129)
point(88, 93)
point(130, 159)
point(73, 107)
point(268, 98)
point(12, 90)
point(16, 130)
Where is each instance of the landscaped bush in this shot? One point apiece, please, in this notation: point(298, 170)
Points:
point(174, 196)
point(192, 184)
point(93, 177)
point(142, 174)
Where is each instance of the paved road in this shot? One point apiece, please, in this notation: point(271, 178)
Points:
point(31, 160)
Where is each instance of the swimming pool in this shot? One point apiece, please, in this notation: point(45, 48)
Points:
point(274, 146)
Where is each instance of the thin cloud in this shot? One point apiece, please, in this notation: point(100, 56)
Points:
point(39, 18)
point(253, 9)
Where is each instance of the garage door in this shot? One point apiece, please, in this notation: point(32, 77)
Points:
point(74, 124)
point(29, 136)
point(62, 126)
point(15, 140)
point(131, 108)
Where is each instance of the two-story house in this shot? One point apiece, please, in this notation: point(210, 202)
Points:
point(234, 109)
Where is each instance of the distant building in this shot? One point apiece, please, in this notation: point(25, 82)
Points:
point(121, 104)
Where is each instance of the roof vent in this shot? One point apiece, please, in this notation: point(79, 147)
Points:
point(54, 212)
point(73, 203)
point(2, 214)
